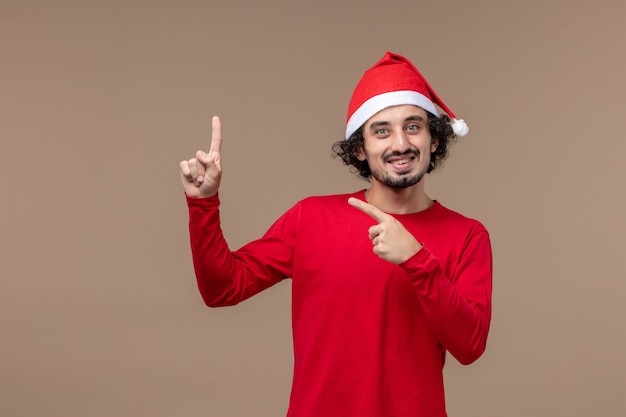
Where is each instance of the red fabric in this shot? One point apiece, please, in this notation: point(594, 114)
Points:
point(392, 73)
point(369, 336)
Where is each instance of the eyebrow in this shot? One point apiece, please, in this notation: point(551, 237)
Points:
point(378, 124)
point(416, 118)
point(408, 119)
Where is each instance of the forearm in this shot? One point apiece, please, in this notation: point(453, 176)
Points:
point(228, 277)
point(459, 315)
point(210, 253)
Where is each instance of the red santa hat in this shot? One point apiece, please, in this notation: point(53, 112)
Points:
point(394, 81)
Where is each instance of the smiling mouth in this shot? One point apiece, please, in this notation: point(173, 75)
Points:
point(403, 161)
point(400, 159)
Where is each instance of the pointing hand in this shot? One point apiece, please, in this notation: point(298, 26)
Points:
point(201, 175)
point(392, 242)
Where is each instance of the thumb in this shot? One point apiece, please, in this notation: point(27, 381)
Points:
point(206, 158)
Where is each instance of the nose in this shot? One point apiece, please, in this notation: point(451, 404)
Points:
point(400, 142)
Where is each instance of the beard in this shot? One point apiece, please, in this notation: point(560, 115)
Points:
point(403, 180)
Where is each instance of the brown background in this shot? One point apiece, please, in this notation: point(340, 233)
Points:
point(99, 100)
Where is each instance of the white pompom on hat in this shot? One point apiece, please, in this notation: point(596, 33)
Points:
point(394, 81)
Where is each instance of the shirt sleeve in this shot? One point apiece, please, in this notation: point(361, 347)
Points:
point(228, 277)
point(458, 308)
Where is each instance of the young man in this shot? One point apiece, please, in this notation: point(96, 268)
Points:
point(385, 281)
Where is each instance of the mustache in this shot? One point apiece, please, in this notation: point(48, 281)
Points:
point(409, 152)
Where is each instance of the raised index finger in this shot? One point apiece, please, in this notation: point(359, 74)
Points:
point(216, 135)
point(368, 209)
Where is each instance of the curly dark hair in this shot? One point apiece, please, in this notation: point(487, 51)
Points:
point(439, 127)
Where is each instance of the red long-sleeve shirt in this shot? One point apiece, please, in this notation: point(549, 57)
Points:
point(369, 336)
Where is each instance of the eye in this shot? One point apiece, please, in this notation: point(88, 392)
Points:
point(382, 131)
point(413, 128)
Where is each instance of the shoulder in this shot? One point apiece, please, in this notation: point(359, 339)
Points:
point(325, 209)
point(455, 219)
point(332, 201)
point(448, 231)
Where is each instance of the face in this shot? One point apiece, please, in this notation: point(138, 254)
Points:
point(398, 145)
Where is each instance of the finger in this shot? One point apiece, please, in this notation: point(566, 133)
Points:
point(198, 170)
point(216, 135)
point(368, 209)
point(184, 170)
point(374, 231)
point(200, 163)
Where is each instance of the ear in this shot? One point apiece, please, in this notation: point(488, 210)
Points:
point(434, 145)
point(360, 154)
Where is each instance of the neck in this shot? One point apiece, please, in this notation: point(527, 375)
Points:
point(398, 201)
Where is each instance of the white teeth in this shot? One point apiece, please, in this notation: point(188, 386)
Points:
point(401, 162)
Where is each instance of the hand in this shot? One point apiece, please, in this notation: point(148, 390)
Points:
point(201, 175)
point(392, 242)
